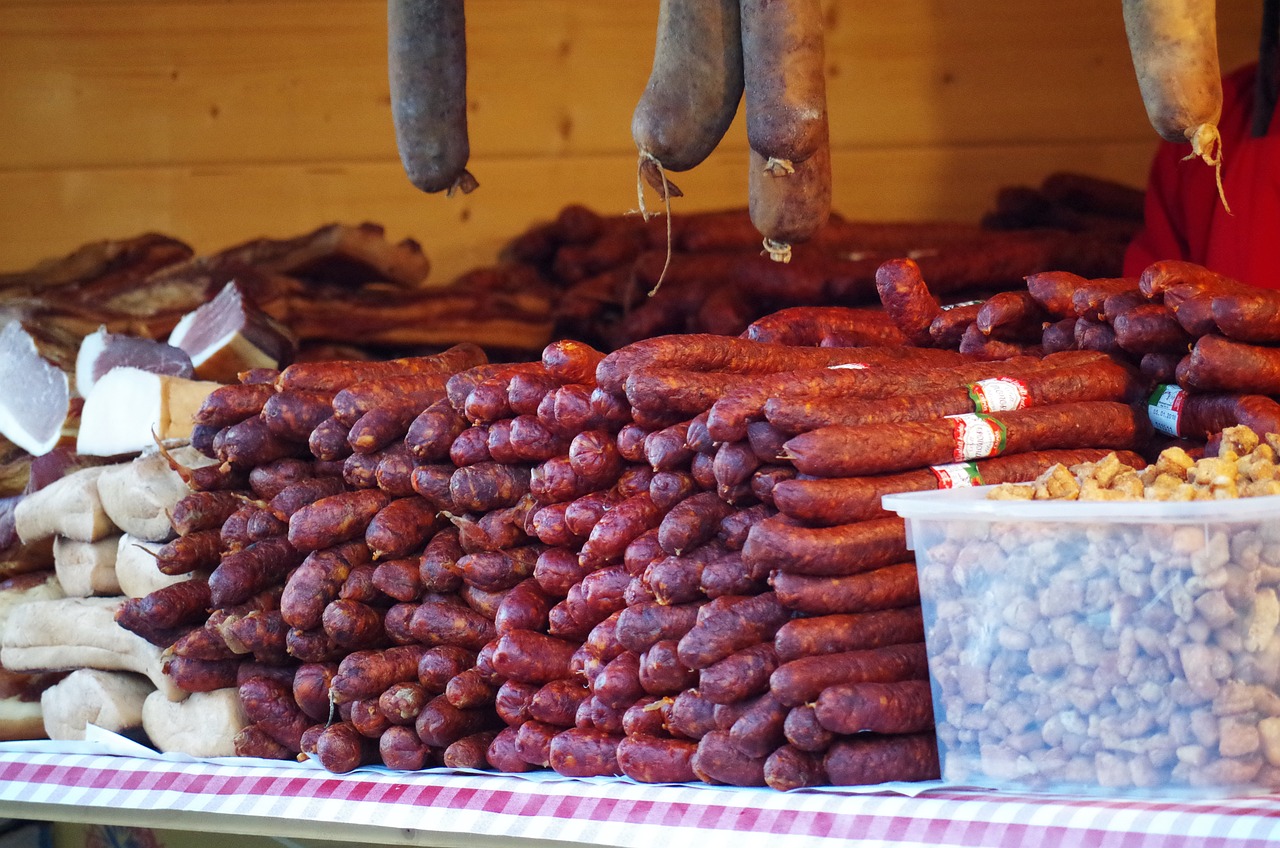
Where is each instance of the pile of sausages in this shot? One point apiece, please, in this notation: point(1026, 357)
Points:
point(604, 268)
point(669, 562)
point(1204, 344)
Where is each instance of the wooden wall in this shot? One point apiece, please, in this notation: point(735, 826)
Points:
point(221, 120)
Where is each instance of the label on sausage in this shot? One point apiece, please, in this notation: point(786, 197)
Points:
point(999, 394)
point(857, 366)
point(946, 307)
point(977, 436)
point(957, 475)
point(1164, 408)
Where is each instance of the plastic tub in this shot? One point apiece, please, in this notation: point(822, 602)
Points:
point(1098, 645)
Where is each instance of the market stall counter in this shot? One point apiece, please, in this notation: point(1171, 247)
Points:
point(439, 808)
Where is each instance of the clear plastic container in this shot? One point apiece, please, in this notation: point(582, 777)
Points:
point(1089, 646)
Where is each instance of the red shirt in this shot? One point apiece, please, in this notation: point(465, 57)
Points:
point(1184, 219)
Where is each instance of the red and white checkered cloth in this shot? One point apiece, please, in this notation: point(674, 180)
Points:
point(420, 807)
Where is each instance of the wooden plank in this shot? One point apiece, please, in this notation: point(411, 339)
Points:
point(50, 212)
point(125, 83)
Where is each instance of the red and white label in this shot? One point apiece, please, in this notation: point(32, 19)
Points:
point(976, 436)
point(957, 475)
point(999, 394)
point(1164, 408)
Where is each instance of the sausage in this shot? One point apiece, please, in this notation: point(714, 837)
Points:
point(293, 414)
point(317, 581)
point(1053, 290)
point(558, 569)
point(884, 588)
point(667, 449)
point(678, 579)
point(757, 732)
point(532, 657)
point(502, 754)
point(438, 665)
point(745, 622)
point(690, 716)
point(400, 749)
point(660, 671)
point(728, 418)
point(249, 443)
point(652, 759)
point(618, 527)
point(194, 675)
point(170, 606)
point(904, 706)
point(259, 632)
point(570, 361)
point(1175, 54)
point(198, 550)
point(471, 446)
point(640, 626)
point(568, 410)
point(739, 676)
point(340, 748)
point(585, 752)
point(511, 701)
point(241, 575)
point(382, 426)
point(1059, 336)
point(525, 607)
point(633, 480)
point(335, 519)
point(838, 633)
point(581, 514)
point(776, 543)
point(557, 701)
point(641, 551)
point(438, 623)
point(871, 759)
point(707, 352)
point(529, 440)
point(488, 485)
point(431, 435)
point(948, 327)
point(555, 481)
point(440, 723)
point(1217, 364)
point(1247, 316)
point(426, 49)
point(1089, 297)
point(437, 568)
point(803, 731)
point(468, 690)
point(718, 761)
point(594, 714)
point(470, 752)
point(789, 768)
point(1196, 415)
point(839, 451)
point(801, 680)
point(295, 496)
point(693, 89)
point(679, 392)
point(1159, 280)
point(594, 455)
point(1012, 316)
point(492, 571)
point(203, 511)
point(1194, 314)
point(328, 441)
point(820, 326)
point(313, 646)
point(833, 501)
point(631, 441)
point(1150, 328)
point(906, 299)
point(526, 390)
point(692, 522)
point(487, 402)
point(311, 690)
point(231, 404)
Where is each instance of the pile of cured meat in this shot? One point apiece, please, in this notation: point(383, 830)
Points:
point(715, 279)
point(669, 562)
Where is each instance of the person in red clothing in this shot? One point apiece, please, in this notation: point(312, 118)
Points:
point(1184, 219)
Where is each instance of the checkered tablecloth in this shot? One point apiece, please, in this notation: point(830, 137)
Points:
point(434, 809)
